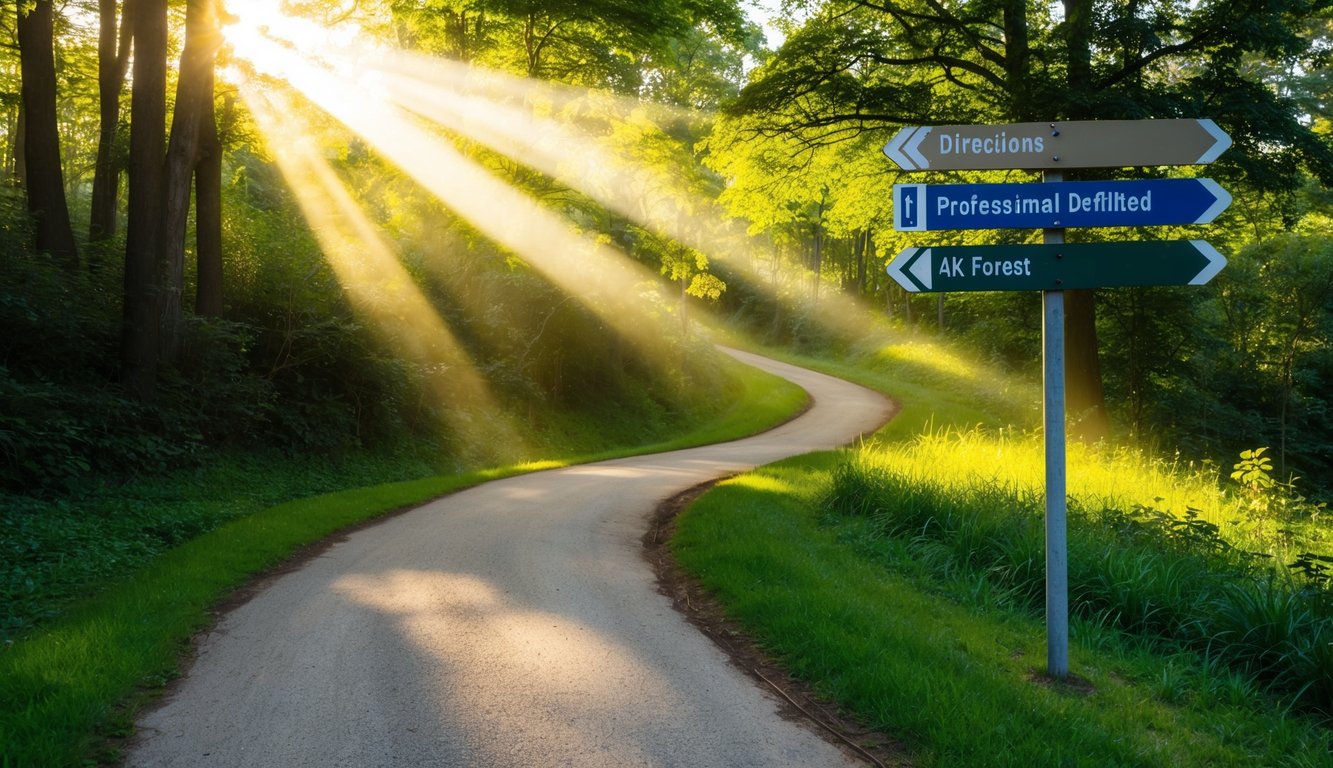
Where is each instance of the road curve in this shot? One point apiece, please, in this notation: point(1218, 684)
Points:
point(513, 624)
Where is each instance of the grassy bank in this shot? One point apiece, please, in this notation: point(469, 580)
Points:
point(904, 579)
point(79, 676)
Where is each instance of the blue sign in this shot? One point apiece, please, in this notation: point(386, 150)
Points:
point(1148, 202)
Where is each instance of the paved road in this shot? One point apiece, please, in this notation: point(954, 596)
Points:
point(513, 624)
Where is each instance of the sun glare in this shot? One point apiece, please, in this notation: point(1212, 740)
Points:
point(256, 22)
point(397, 103)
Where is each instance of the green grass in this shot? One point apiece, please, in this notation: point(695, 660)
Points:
point(923, 623)
point(945, 666)
point(80, 676)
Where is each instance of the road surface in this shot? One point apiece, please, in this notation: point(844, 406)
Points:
point(513, 624)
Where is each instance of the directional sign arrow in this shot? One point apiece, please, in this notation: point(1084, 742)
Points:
point(1150, 202)
point(1076, 144)
point(1074, 266)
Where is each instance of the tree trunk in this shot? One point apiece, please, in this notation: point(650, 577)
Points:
point(862, 243)
point(208, 215)
point(20, 144)
point(1085, 398)
point(194, 100)
point(1078, 48)
point(1017, 60)
point(46, 179)
point(148, 116)
point(113, 49)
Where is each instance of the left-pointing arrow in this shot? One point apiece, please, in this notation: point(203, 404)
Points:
point(912, 270)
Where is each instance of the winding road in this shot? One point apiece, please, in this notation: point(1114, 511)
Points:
point(512, 624)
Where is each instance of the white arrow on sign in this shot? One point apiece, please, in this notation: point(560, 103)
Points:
point(1221, 196)
point(905, 148)
point(917, 266)
point(1216, 261)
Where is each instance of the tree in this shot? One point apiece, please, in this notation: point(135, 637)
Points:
point(113, 59)
point(193, 122)
point(208, 210)
point(44, 174)
point(148, 114)
point(588, 42)
point(861, 66)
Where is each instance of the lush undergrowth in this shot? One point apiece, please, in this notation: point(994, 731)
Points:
point(1201, 574)
point(906, 579)
point(55, 545)
point(72, 681)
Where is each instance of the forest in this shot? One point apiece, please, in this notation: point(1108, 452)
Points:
point(171, 286)
point(252, 251)
point(168, 294)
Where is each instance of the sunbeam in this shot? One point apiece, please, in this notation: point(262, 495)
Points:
point(377, 284)
point(601, 277)
point(383, 96)
point(446, 94)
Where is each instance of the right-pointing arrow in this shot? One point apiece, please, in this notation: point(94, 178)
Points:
point(1221, 142)
point(1216, 262)
point(1221, 199)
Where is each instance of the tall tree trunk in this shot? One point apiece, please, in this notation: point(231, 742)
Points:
point(46, 179)
point(1018, 61)
point(208, 215)
point(1085, 396)
point(148, 117)
point(861, 243)
point(20, 148)
point(194, 102)
point(113, 49)
point(1078, 49)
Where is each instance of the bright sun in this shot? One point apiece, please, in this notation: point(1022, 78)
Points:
point(266, 37)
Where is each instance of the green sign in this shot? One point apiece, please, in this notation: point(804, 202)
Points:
point(1063, 267)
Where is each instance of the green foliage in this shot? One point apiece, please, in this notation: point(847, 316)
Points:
point(587, 43)
point(101, 591)
point(1252, 471)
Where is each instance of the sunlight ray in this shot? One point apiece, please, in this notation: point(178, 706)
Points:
point(557, 130)
point(376, 283)
point(658, 201)
point(605, 280)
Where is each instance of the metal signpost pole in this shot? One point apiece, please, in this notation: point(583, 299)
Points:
point(1053, 406)
point(1054, 267)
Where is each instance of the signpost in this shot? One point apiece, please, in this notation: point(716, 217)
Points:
point(1055, 266)
point(929, 207)
point(1057, 145)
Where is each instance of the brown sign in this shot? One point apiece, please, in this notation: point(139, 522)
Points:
point(1077, 144)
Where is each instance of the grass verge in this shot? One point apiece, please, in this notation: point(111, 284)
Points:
point(896, 624)
point(937, 665)
point(78, 680)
